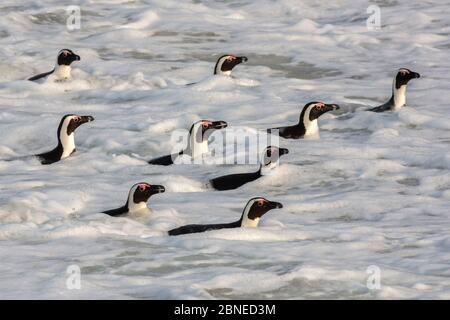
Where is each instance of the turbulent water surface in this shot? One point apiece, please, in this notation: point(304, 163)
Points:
point(373, 191)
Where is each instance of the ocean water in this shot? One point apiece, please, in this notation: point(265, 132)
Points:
point(372, 194)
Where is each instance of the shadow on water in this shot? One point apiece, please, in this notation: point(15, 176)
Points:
point(284, 64)
point(301, 289)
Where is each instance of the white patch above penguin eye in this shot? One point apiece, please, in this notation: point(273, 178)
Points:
point(64, 52)
point(206, 124)
point(403, 71)
point(142, 187)
point(231, 58)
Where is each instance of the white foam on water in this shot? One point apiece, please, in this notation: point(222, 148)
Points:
point(373, 191)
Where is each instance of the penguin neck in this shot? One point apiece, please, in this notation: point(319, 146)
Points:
point(246, 222)
point(62, 71)
point(398, 96)
point(196, 149)
point(218, 69)
point(311, 127)
point(266, 169)
point(139, 208)
point(66, 143)
point(197, 144)
point(224, 73)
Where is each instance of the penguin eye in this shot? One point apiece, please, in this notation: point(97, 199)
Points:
point(260, 203)
point(269, 152)
point(76, 119)
point(320, 106)
point(142, 187)
point(206, 124)
point(231, 58)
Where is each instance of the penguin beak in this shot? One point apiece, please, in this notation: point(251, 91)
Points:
point(217, 125)
point(275, 205)
point(77, 58)
point(415, 75)
point(241, 59)
point(85, 119)
point(157, 189)
point(283, 151)
point(333, 107)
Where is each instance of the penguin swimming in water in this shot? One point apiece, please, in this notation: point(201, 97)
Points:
point(66, 138)
point(197, 142)
point(253, 211)
point(62, 69)
point(226, 63)
point(137, 200)
point(398, 98)
point(308, 122)
point(234, 181)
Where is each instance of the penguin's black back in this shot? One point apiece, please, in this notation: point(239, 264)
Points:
point(291, 132)
point(234, 181)
point(41, 75)
point(163, 161)
point(384, 107)
point(51, 156)
point(196, 228)
point(117, 212)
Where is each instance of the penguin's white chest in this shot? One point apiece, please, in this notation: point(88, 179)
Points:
point(250, 223)
point(61, 73)
point(199, 148)
point(140, 212)
point(399, 98)
point(312, 128)
point(68, 143)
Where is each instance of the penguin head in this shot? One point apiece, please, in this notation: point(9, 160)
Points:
point(70, 122)
point(255, 209)
point(272, 154)
point(141, 192)
point(201, 127)
point(315, 109)
point(66, 57)
point(403, 76)
point(226, 63)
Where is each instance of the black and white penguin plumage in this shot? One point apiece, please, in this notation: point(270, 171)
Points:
point(137, 200)
point(233, 181)
point(226, 63)
point(62, 69)
point(308, 125)
point(197, 142)
point(253, 211)
point(66, 138)
point(398, 98)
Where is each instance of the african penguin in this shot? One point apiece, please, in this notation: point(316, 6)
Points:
point(66, 138)
point(226, 63)
point(270, 157)
point(253, 211)
point(308, 122)
point(398, 98)
point(197, 142)
point(62, 69)
point(137, 200)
